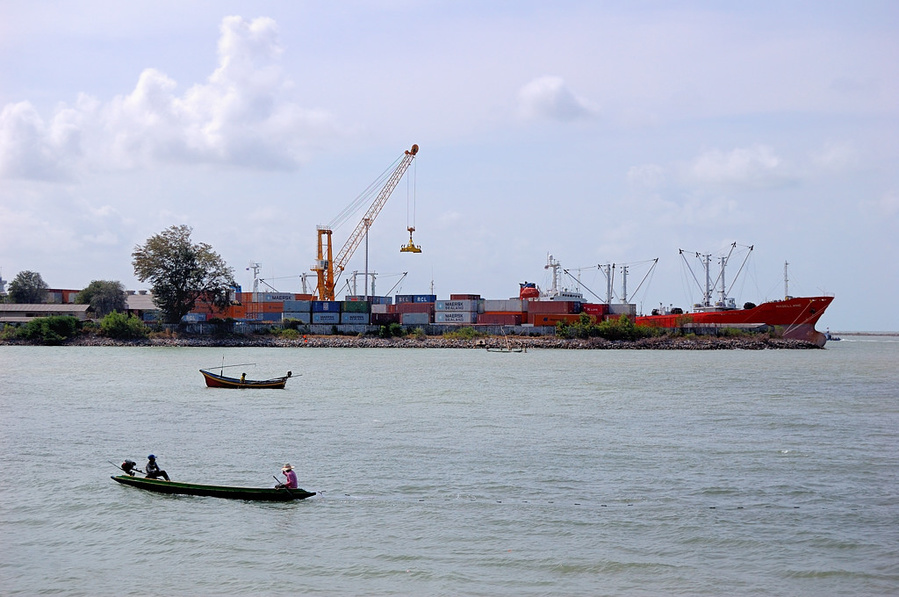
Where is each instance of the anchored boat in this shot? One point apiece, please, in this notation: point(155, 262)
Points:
point(217, 380)
point(270, 494)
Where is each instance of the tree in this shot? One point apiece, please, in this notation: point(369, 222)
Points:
point(28, 287)
point(104, 297)
point(181, 272)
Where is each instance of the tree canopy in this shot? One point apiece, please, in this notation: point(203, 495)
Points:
point(104, 297)
point(27, 287)
point(181, 272)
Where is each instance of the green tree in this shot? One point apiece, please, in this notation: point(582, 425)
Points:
point(104, 297)
point(181, 272)
point(27, 287)
point(50, 330)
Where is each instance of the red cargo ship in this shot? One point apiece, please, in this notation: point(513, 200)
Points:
point(793, 317)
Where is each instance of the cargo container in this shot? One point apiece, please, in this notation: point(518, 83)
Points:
point(355, 307)
point(354, 318)
point(194, 318)
point(465, 297)
point(374, 300)
point(499, 318)
point(380, 308)
point(415, 308)
point(598, 309)
point(270, 307)
point(416, 298)
point(507, 306)
point(298, 306)
point(458, 317)
point(271, 317)
point(323, 317)
point(559, 307)
point(416, 318)
point(552, 318)
point(458, 305)
point(304, 317)
point(628, 309)
point(326, 306)
point(277, 297)
point(385, 318)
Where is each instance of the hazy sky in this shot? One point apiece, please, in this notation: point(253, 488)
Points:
point(600, 132)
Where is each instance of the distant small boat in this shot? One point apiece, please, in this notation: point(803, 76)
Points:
point(830, 337)
point(270, 494)
point(214, 380)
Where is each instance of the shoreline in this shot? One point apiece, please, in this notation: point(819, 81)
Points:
point(761, 342)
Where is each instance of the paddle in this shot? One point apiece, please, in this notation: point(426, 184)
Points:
point(282, 486)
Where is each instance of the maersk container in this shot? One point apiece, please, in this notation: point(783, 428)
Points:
point(461, 305)
point(459, 317)
point(507, 306)
point(354, 318)
point(277, 297)
point(416, 318)
point(298, 306)
point(326, 307)
point(355, 307)
point(321, 317)
point(304, 317)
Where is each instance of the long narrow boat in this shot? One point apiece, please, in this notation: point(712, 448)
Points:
point(270, 494)
point(214, 380)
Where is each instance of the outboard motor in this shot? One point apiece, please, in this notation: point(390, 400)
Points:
point(128, 467)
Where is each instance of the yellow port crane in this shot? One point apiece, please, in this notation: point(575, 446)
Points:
point(327, 269)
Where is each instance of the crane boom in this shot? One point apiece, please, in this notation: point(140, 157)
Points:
point(329, 270)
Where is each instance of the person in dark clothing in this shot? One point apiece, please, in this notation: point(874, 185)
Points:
point(153, 470)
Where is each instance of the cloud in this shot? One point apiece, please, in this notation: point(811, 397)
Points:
point(243, 115)
point(749, 167)
point(549, 98)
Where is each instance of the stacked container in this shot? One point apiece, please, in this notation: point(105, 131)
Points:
point(460, 312)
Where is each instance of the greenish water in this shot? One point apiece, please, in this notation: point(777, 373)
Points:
point(456, 472)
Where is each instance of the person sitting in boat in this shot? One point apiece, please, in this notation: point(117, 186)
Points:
point(129, 466)
point(291, 482)
point(153, 470)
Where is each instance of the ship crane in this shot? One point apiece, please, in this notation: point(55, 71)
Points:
point(329, 269)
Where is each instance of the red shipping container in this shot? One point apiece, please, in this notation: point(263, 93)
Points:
point(465, 297)
point(415, 308)
point(598, 309)
point(499, 319)
point(553, 318)
point(558, 307)
point(385, 318)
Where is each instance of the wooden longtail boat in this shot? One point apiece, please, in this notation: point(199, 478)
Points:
point(214, 380)
point(270, 494)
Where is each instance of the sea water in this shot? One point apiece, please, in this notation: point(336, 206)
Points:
point(456, 472)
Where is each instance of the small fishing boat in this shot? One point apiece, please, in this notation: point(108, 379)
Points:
point(217, 380)
point(270, 494)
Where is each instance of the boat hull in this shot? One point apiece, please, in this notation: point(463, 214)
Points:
point(795, 318)
point(268, 494)
point(221, 381)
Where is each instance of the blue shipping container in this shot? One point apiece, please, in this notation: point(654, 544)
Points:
point(424, 298)
point(326, 307)
point(354, 318)
point(319, 317)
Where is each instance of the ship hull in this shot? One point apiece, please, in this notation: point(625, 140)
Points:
point(794, 318)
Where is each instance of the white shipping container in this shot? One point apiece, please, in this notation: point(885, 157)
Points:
point(623, 309)
point(505, 306)
point(466, 305)
point(416, 318)
point(460, 317)
point(378, 308)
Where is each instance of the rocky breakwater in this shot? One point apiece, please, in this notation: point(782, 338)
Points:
point(754, 342)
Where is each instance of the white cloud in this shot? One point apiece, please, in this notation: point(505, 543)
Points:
point(646, 176)
point(750, 167)
point(549, 98)
point(243, 115)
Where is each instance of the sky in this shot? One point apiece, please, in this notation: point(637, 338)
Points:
point(596, 132)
